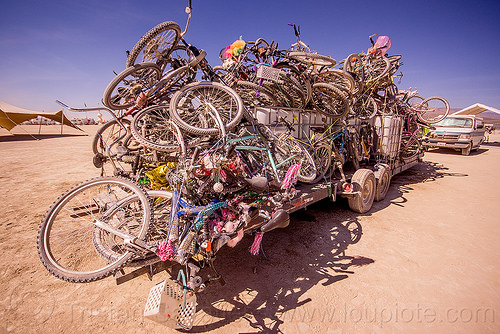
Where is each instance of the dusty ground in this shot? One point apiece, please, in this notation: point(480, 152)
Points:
point(427, 261)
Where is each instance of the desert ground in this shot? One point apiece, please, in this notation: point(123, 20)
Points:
point(427, 260)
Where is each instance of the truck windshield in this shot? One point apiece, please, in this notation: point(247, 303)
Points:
point(455, 122)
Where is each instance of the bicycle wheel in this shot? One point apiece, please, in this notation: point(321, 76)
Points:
point(395, 63)
point(296, 84)
point(287, 151)
point(107, 134)
point(377, 68)
point(330, 101)
point(159, 230)
point(354, 65)
point(65, 239)
point(311, 58)
point(283, 98)
point(254, 95)
point(410, 146)
point(155, 44)
point(364, 107)
point(122, 91)
point(339, 78)
point(415, 101)
point(433, 110)
point(322, 154)
point(200, 107)
point(152, 127)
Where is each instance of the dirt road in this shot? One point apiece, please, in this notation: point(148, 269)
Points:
point(427, 260)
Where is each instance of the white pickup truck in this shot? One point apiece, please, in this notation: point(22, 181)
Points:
point(462, 133)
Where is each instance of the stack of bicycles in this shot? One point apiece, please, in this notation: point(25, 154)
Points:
point(193, 169)
point(193, 172)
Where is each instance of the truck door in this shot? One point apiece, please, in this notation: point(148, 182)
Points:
point(478, 133)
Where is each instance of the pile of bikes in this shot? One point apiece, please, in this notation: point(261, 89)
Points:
point(192, 167)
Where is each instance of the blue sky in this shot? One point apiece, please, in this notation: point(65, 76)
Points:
point(68, 50)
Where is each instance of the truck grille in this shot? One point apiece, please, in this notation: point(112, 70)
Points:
point(452, 137)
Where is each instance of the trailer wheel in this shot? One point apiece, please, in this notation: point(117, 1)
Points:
point(365, 184)
point(383, 183)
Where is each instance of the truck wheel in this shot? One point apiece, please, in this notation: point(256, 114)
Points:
point(383, 183)
point(466, 151)
point(365, 184)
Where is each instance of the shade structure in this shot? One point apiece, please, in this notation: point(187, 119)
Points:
point(11, 116)
point(476, 109)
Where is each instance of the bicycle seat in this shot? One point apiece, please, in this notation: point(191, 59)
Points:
point(257, 183)
point(279, 219)
point(196, 60)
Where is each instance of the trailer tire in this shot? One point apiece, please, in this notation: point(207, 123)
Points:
point(383, 183)
point(365, 184)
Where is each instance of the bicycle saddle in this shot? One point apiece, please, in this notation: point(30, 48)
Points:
point(257, 183)
point(279, 219)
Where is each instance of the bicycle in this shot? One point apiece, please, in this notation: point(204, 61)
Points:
point(369, 67)
point(428, 110)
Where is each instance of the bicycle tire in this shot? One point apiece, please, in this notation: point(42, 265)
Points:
point(150, 43)
point(284, 99)
point(131, 143)
point(354, 65)
point(311, 58)
point(296, 82)
point(288, 151)
point(415, 101)
point(113, 200)
point(152, 128)
point(107, 134)
point(339, 78)
point(410, 147)
point(395, 63)
point(254, 95)
point(158, 231)
point(433, 109)
point(198, 100)
point(322, 154)
point(122, 91)
point(378, 68)
point(330, 101)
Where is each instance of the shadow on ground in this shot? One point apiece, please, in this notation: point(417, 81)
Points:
point(312, 250)
point(37, 137)
point(262, 289)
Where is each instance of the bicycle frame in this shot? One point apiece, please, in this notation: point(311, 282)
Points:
point(264, 150)
point(108, 148)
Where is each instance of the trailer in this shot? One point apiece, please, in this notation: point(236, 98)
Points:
point(362, 183)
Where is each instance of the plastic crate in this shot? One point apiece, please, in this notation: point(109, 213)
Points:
point(302, 121)
point(268, 73)
point(389, 130)
point(166, 305)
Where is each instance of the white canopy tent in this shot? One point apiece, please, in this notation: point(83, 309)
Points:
point(476, 109)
